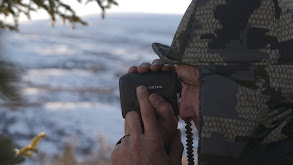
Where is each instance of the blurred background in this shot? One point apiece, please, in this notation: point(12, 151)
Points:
point(68, 78)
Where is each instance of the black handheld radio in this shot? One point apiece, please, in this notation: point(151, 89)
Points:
point(165, 84)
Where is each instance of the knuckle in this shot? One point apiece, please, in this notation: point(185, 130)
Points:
point(143, 67)
point(152, 95)
point(169, 65)
point(147, 114)
point(156, 147)
point(123, 152)
point(131, 114)
point(145, 64)
point(142, 96)
point(164, 107)
point(135, 145)
point(132, 69)
point(157, 61)
point(136, 140)
point(149, 132)
point(115, 155)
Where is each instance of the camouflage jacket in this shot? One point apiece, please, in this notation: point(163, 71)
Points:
point(244, 52)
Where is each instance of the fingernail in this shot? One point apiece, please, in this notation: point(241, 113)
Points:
point(157, 63)
point(140, 88)
point(155, 99)
point(168, 65)
point(145, 65)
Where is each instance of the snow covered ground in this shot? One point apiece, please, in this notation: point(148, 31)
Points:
point(69, 78)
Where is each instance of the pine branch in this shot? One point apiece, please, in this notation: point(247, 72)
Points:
point(9, 91)
point(7, 155)
point(54, 8)
point(8, 80)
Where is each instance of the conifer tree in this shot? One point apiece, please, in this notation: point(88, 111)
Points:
point(8, 92)
point(54, 8)
point(8, 78)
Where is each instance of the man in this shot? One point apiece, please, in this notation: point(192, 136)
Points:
point(235, 62)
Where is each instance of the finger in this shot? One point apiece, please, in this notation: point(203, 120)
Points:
point(115, 156)
point(126, 130)
point(132, 120)
point(125, 140)
point(156, 65)
point(167, 120)
point(122, 139)
point(176, 149)
point(147, 112)
point(168, 67)
point(132, 69)
point(163, 109)
point(143, 67)
point(123, 154)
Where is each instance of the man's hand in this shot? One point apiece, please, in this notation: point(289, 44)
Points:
point(148, 148)
point(167, 121)
point(157, 65)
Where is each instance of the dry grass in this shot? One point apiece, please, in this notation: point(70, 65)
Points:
point(98, 157)
point(101, 156)
point(68, 158)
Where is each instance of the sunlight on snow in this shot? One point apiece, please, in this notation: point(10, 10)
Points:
point(55, 50)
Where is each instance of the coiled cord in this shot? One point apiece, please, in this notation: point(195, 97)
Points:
point(189, 143)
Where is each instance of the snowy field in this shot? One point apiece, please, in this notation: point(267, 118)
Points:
point(69, 78)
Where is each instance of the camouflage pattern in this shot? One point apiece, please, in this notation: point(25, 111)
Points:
point(244, 52)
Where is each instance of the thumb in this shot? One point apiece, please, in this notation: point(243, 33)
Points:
point(176, 149)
